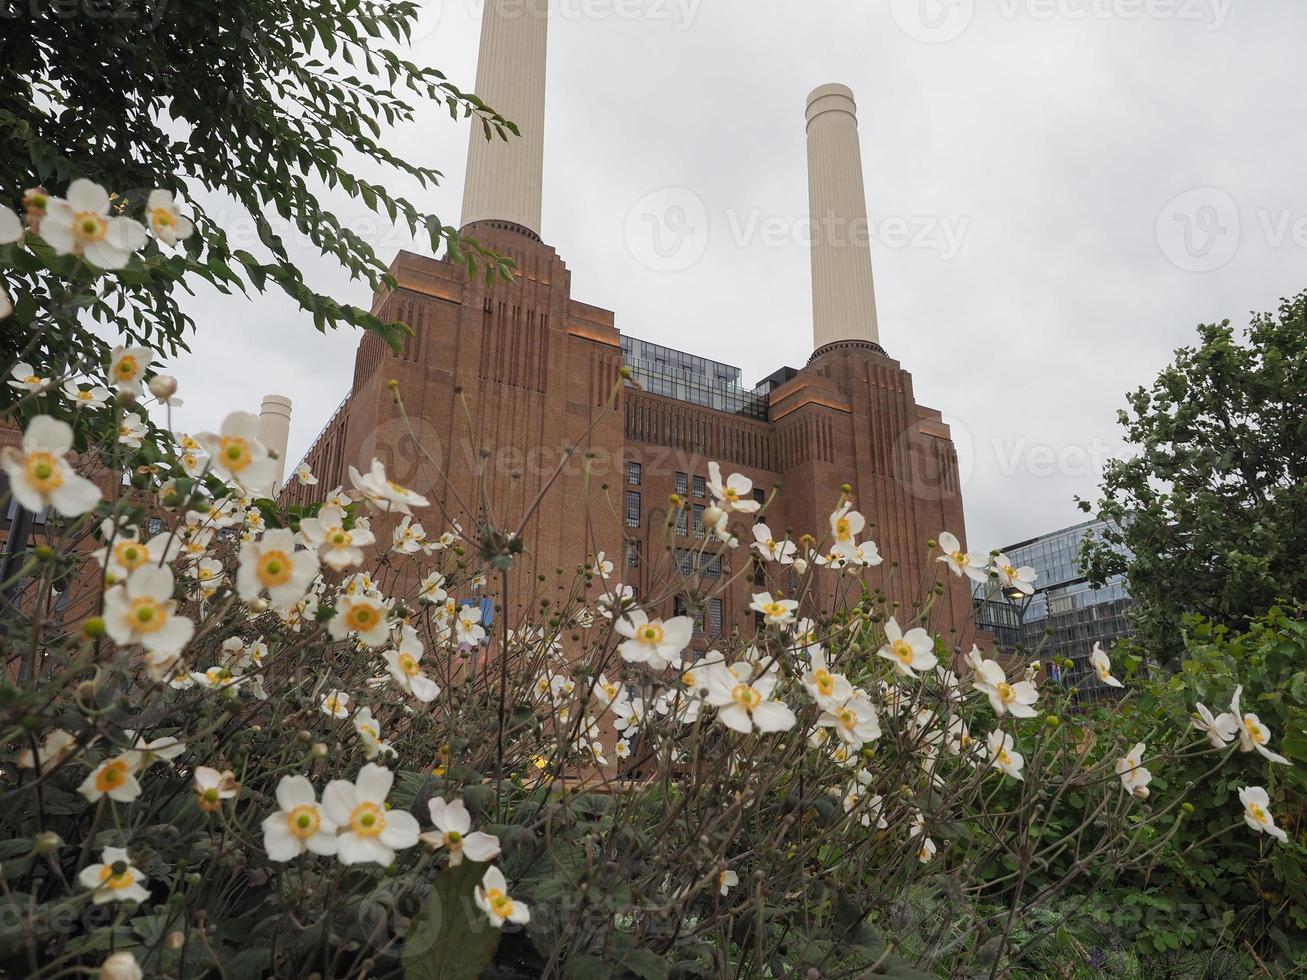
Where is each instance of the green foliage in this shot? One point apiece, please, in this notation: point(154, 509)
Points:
point(263, 105)
point(1217, 884)
point(451, 939)
point(1211, 513)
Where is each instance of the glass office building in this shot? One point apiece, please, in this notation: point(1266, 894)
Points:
point(1066, 616)
point(693, 379)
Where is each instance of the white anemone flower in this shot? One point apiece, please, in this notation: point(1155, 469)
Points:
point(453, 823)
point(467, 625)
point(602, 565)
point(237, 454)
point(363, 616)
point(743, 703)
point(272, 566)
point(121, 965)
point(383, 493)
point(1012, 577)
point(95, 396)
point(337, 547)
point(1016, 699)
point(167, 223)
point(909, 652)
point(305, 475)
point(492, 898)
point(114, 879)
point(1257, 812)
point(299, 825)
point(828, 689)
point(369, 832)
point(80, 224)
point(771, 549)
point(127, 367)
point(24, 378)
point(39, 474)
point(335, 704)
point(1134, 776)
point(655, 642)
point(114, 778)
point(11, 227)
point(776, 612)
point(405, 667)
point(1003, 754)
point(735, 494)
point(1102, 667)
point(854, 721)
point(960, 562)
point(1253, 735)
point(142, 611)
point(1220, 729)
point(845, 526)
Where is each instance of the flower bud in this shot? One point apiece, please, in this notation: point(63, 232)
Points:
point(319, 750)
point(48, 842)
point(175, 939)
point(801, 566)
point(121, 966)
point(163, 386)
point(93, 628)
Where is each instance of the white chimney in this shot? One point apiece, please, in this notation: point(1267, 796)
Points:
point(843, 293)
point(504, 179)
point(274, 432)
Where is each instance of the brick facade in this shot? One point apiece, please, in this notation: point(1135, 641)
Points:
point(536, 368)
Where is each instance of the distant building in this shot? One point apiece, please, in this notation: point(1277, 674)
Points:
point(537, 366)
point(1066, 616)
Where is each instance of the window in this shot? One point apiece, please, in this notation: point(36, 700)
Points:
point(682, 484)
point(711, 567)
point(760, 495)
point(633, 473)
point(698, 521)
point(678, 606)
point(684, 561)
point(633, 554)
point(682, 522)
point(633, 507)
point(700, 487)
point(759, 572)
point(714, 617)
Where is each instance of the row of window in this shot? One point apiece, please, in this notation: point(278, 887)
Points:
point(635, 476)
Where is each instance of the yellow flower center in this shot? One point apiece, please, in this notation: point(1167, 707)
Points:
point(773, 609)
point(824, 682)
point(303, 821)
point(1258, 813)
point(902, 649)
point(846, 718)
point(162, 218)
point(340, 538)
point(274, 568)
point(116, 881)
point(1004, 757)
point(44, 472)
point(1255, 731)
point(408, 665)
point(146, 615)
point(960, 557)
point(651, 633)
point(131, 554)
point(361, 616)
point(499, 903)
point(842, 529)
point(746, 696)
point(89, 226)
point(235, 452)
point(453, 839)
point(111, 776)
point(1005, 693)
point(367, 820)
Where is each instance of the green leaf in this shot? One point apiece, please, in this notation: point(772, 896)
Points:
point(451, 938)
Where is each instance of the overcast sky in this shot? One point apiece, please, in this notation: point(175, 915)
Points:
point(1061, 191)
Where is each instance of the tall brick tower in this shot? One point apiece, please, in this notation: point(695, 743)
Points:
point(535, 368)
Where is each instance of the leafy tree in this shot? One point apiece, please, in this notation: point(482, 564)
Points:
point(1210, 517)
point(261, 104)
